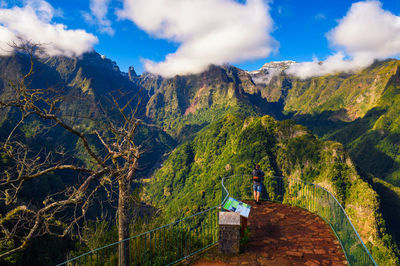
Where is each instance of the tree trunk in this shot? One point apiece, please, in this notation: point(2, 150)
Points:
point(123, 220)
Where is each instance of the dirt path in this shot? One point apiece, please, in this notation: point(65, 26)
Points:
point(283, 235)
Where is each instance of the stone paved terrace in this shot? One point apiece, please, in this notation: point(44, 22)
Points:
point(282, 235)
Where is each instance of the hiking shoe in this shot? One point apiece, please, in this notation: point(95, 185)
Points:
point(258, 203)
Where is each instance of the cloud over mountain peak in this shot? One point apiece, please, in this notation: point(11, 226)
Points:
point(364, 34)
point(209, 31)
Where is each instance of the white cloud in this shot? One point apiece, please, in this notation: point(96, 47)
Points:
point(333, 64)
point(209, 31)
point(365, 34)
point(99, 10)
point(43, 9)
point(33, 22)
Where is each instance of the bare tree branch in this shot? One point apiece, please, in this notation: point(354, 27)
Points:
point(59, 213)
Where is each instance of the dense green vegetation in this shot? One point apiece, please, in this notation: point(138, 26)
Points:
point(390, 204)
point(359, 110)
point(85, 85)
point(184, 105)
point(189, 180)
point(213, 116)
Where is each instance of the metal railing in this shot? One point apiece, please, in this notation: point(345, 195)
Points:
point(164, 245)
point(312, 197)
point(181, 239)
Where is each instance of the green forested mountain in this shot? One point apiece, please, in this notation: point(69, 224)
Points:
point(218, 119)
point(86, 83)
point(189, 180)
point(88, 86)
point(184, 104)
point(360, 110)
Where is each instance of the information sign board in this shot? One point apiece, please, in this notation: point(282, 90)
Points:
point(237, 206)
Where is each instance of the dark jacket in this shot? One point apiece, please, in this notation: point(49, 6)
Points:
point(260, 174)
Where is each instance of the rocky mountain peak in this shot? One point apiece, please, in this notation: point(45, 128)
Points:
point(282, 65)
point(270, 70)
point(132, 73)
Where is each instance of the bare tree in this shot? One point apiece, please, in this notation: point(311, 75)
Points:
point(62, 212)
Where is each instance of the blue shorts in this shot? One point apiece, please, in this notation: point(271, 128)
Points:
point(257, 188)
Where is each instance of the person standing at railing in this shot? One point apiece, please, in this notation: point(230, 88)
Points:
point(258, 178)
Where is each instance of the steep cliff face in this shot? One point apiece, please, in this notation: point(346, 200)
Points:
point(359, 110)
point(184, 104)
point(86, 82)
point(88, 86)
point(373, 140)
point(354, 93)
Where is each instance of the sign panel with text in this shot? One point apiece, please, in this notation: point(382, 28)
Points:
point(234, 205)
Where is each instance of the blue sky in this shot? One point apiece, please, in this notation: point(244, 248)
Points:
point(300, 28)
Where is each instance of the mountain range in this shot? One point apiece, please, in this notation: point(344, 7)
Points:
point(341, 131)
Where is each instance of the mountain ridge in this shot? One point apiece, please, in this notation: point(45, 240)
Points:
point(189, 179)
point(180, 110)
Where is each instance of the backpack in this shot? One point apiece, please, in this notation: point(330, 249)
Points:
point(256, 176)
